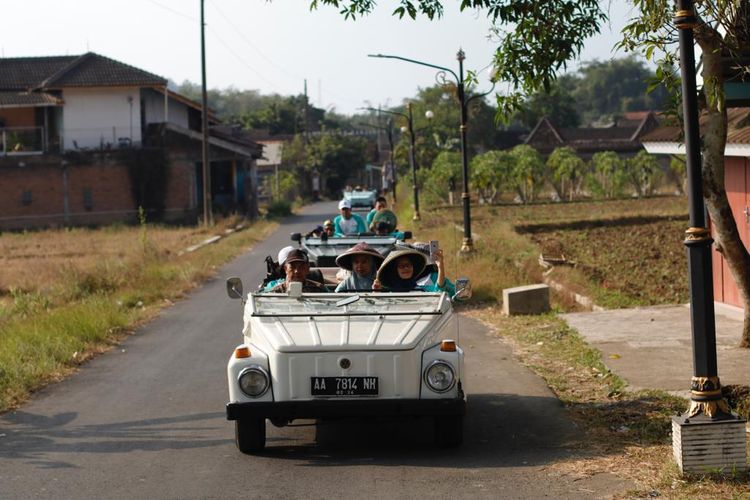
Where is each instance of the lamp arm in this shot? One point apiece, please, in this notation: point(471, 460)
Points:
point(442, 68)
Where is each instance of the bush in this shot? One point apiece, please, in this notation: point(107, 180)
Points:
point(280, 208)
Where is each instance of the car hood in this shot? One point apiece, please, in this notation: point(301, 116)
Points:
point(336, 333)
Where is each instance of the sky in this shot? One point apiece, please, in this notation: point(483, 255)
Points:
point(271, 46)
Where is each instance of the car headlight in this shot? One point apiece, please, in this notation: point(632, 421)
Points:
point(439, 376)
point(253, 381)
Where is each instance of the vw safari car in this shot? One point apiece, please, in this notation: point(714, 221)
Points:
point(323, 251)
point(326, 355)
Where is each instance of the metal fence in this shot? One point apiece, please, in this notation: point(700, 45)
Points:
point(22, 140)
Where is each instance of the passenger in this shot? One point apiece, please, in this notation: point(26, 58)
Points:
point(296, 266)
point(380, 204)
point(399, 271)
point(328, 228)
point(315, 233)
point(384, 228)
point(433, 279)
point(363, 262)
point(347, 222)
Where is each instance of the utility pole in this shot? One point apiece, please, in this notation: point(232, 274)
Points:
point(207, 214)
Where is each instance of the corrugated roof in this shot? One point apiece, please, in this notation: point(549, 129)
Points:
point(10, 99)
point(738, 129)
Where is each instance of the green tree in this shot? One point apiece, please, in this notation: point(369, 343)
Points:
point(336, 158)
point(558, 105)
point(566, 171)
point(442, 178)
point(491, 173)
point(643, 173)
point(608, 175)
point(612, 87)
point(527, 175)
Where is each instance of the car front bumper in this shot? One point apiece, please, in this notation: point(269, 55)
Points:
point(327, 408)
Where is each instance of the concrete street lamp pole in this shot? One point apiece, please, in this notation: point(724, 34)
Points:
point(207, 214)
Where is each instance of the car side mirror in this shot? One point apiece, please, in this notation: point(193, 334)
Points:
point(324, 237)
point(297, 237)
point(463, 289)
point(234, 288)
point(407, 235)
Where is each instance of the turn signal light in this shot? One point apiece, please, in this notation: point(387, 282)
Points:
point(242, 351)
point(448, 346)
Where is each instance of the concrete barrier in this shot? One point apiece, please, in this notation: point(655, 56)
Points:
point(529, 299)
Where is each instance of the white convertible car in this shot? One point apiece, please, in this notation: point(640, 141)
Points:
point(325, 355)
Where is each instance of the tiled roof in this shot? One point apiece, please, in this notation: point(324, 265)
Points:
point(738, 129)
point(87, 70)
point(23, 73)
point(8, 99)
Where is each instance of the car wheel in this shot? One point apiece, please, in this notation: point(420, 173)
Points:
point(250, 434)
point(449, 431)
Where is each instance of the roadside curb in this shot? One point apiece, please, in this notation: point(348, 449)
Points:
point(586, 302)
point(212, 239)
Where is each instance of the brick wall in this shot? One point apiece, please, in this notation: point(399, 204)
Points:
point(33, 192)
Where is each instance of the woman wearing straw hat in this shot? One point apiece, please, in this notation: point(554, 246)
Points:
point(399, 271)
point(363, 261)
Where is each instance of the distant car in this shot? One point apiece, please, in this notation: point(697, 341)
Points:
point(323, 251)
point(361, 199)
point(319, 356)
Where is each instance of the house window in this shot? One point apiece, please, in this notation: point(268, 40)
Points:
point(88, 199)
point(26, 197)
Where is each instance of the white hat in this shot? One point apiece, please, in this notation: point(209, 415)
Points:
point(284, 253)
point(345, 204)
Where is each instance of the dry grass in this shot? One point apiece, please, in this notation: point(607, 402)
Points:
point(68, 294)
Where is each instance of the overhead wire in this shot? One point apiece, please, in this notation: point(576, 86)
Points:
point(273, 63)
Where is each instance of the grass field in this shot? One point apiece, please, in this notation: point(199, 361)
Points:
point(67, 294)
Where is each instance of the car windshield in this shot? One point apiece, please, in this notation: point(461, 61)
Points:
point(325, 304)
point(371, 240)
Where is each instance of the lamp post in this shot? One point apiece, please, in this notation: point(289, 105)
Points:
point(412, 149)
point(389, 133)
point(467, 244)
point(708, 420)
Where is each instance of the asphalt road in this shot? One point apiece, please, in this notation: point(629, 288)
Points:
point(146, 420)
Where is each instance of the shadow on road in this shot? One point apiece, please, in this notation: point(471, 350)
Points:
point(500, 430)
point(32, 437)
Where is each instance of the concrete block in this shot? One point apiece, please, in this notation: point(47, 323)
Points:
point(529, 299)
point(703, 446)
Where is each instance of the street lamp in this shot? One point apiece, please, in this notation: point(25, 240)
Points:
point(389, 133)
point(412, 158)
point(468, 244)
point(707, 406)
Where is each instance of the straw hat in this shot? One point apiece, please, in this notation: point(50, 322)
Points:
point(387, 268)
point(344, 260)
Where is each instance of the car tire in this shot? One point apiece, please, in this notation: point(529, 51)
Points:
point(250, 434)
point(449, 431)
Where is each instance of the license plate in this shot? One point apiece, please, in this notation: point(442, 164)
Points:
point(344, 386)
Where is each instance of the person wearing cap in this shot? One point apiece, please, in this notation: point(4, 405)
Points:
point(432, 278)
point(399, 271)
point(296, 267)
point(363, 261)
point(347, 222)
point(380, 204)
point(328, 228)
